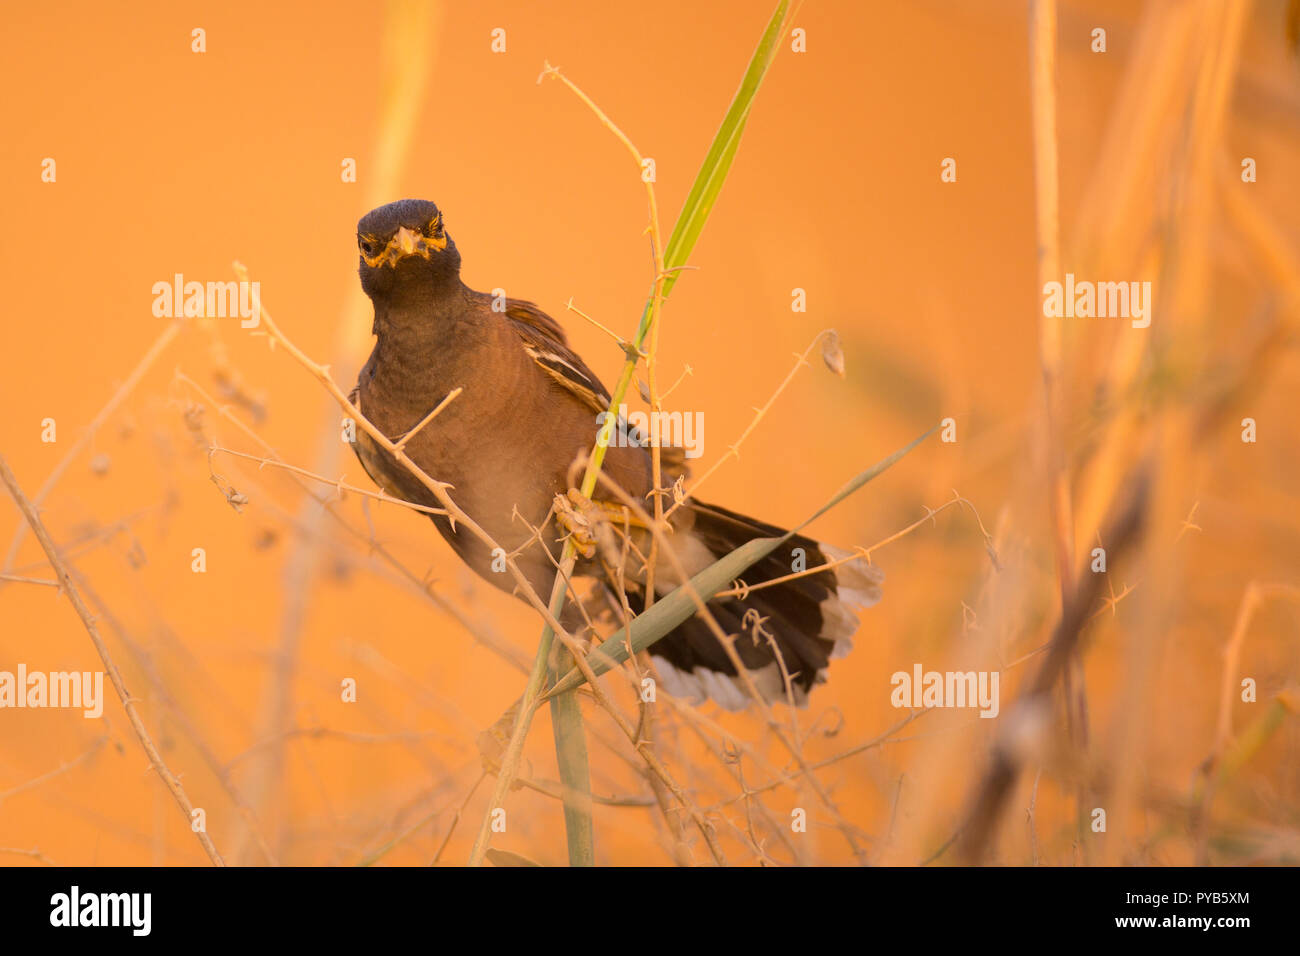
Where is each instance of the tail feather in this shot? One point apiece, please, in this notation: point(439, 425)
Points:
point(792, 629)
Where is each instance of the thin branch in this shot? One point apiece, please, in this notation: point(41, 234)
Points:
point(20, 579)
point(159, 345)
point(401, 442)
point(128, 703)
point(733, 450)
point(338, 485)
point(61, 769)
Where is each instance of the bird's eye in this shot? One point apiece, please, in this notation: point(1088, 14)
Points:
point(434, 229)
point(368, 247)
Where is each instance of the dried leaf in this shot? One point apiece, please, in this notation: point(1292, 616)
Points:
point(492, 743)
point(832, 354)
point(507, 858)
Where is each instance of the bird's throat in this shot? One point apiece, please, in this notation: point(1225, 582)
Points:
point(421, 345)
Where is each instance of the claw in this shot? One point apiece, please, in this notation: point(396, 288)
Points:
point(576, 515)
point(591, 524)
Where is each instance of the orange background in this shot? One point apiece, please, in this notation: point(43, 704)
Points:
point(170, 161)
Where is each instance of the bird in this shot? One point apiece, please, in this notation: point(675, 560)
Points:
point(529, 408)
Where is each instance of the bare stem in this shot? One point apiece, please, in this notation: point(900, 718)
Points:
point(115, 676)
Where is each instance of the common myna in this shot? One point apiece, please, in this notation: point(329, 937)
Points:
point(529, 408)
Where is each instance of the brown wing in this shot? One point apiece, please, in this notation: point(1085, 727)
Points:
point(545, 341)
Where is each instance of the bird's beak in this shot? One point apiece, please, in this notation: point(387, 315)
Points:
point(406, 240)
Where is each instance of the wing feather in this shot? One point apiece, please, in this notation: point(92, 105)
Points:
point(546, 344)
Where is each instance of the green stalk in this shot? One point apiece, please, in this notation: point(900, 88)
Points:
point(566, 717)
point(575, 775)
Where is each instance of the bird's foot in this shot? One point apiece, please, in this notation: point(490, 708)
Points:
point(588, 523)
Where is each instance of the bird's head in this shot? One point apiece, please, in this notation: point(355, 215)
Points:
point(404, 245)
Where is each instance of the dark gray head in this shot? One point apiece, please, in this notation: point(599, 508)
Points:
point(404, 248)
